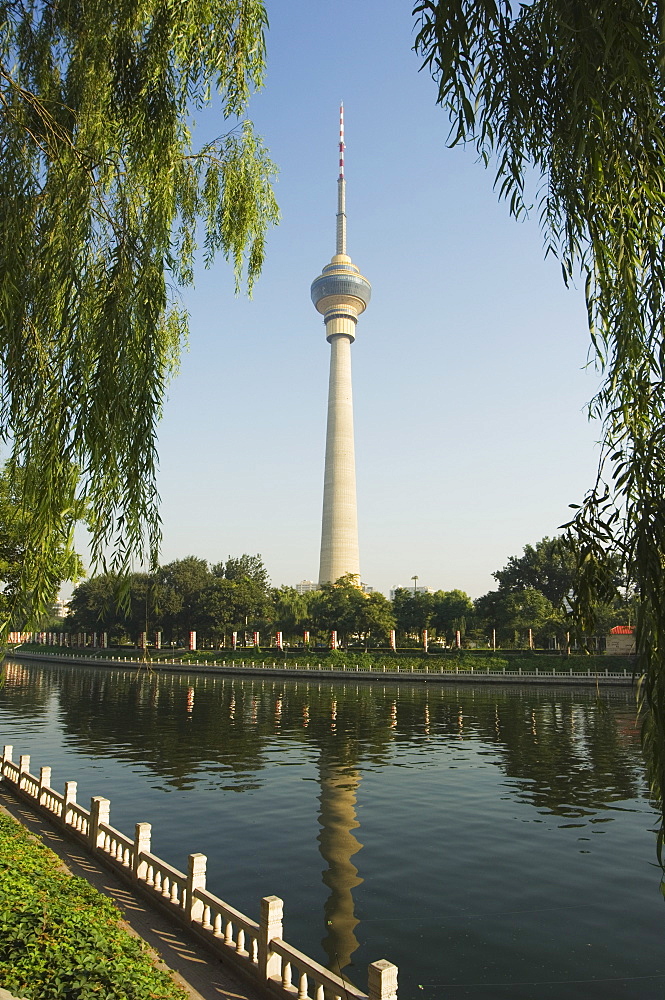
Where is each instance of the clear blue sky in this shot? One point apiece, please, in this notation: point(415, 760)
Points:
point(470, 365)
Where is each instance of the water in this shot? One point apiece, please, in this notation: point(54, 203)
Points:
point(492, 843)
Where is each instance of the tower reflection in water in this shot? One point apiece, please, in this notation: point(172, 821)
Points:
point(337, 844)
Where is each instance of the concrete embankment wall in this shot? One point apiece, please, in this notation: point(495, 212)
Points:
point(432, 675)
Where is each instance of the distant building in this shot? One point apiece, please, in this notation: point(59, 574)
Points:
point(412, 590)
point(620, 640)
point(60, 609)
point(307, 586)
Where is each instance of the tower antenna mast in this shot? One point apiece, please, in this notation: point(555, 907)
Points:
point(341, 188)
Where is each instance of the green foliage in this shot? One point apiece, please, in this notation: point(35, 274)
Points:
point(532, 588)
point(219, 608)
point(17, 608)
point(413, 611)
point(538, 590)
point(420, 662)
point(554, 566)
point(244, 567)
point(182, 596)
point(59, 938)
point(511, 613)
point(550, 567)
point(529, 609)
point(376, 619)
point(180, 586)
point(228, 605)
point(93, 604)
point(102, 193)
point(343, 606)
point(444, 612)
point(339, 658)
point(576, 92)
point(121, 606)
point(452, 611)
point(291, 610)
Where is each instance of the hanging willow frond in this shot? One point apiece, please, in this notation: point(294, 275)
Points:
point(577, 91)
point(101, 195)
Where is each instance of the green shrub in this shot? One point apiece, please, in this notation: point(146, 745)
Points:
point(60, 939)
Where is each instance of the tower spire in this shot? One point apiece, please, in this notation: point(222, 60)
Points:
point(341, 188)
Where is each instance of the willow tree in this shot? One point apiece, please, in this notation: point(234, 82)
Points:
point(103, 193)
point(574, 93)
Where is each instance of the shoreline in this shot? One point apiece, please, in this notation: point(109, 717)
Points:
point(473, 675)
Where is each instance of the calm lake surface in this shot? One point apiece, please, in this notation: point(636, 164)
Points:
point(492, 843)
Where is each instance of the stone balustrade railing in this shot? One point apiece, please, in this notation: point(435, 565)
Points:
point(257, 950)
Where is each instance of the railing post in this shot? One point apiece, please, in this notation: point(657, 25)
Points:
point(141, 846)
point(44, 782)
point(196, 879)
point(382, 980)
point(23, 766)
point(70, 796)
point(270, 926)
point(7, 751)
point(100, 812)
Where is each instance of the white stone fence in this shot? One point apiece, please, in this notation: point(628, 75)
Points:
point(256, 950)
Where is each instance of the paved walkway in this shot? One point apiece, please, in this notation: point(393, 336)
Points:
point(200, 974)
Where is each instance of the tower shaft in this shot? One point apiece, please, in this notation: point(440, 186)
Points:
point(339, 532)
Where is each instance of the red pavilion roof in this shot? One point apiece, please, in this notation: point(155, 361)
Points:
point(622, 630)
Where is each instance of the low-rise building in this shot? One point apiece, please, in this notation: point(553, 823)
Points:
point(621, 640)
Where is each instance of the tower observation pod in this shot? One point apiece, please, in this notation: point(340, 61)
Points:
point(341, 294)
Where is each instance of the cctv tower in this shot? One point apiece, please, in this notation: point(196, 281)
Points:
point(341, 294)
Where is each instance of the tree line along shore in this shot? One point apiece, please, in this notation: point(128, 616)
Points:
point(233, 603)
